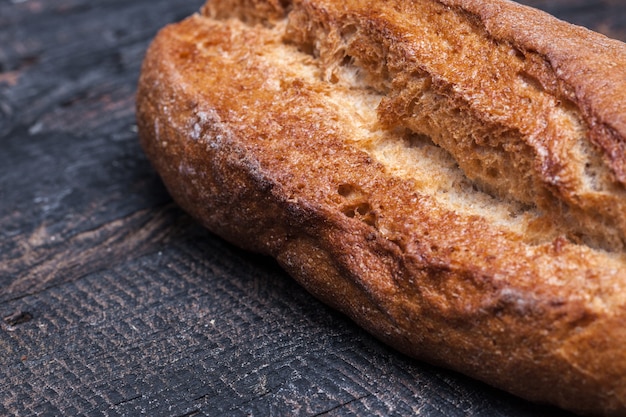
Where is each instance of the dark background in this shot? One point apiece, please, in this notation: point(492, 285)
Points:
point(114, 302)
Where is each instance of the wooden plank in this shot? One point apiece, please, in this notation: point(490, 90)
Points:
point(114, 302)
point(201, 326)
point(78, 192)
point(604, 16)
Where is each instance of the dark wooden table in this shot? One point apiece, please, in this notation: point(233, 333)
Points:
point(114, 302)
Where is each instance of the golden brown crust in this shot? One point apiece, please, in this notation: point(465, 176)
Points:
point(255, 131)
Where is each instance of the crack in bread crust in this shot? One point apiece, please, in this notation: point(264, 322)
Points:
point(511, 124)
point(283, 155)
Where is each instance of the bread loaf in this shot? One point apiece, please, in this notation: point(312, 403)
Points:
point(451, 174)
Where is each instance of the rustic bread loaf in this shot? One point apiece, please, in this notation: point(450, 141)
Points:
point(451, 174)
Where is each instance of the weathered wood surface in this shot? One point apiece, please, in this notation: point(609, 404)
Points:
point(114, 302)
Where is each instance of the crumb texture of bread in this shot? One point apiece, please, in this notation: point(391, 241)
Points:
point(448, 173)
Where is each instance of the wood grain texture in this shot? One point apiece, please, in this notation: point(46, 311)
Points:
point(114, 302)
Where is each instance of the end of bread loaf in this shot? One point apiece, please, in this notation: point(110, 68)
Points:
point(449, 178)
